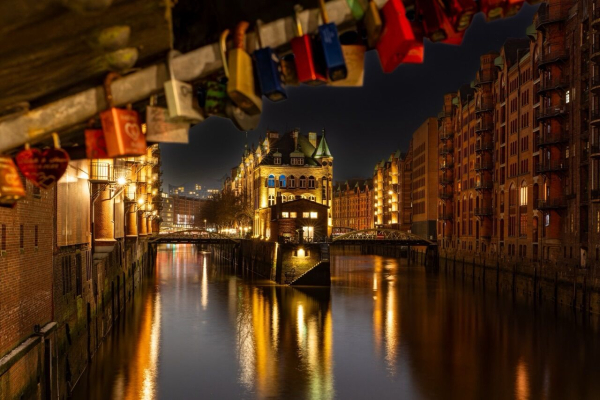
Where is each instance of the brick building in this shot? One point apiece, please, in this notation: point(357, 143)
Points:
point(186, 211)
point(353, 204)
point(424, 164)
point(392, 188)
point(519, 168)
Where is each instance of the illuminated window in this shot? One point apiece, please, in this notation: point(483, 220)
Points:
point(547, 220)
point(271, 200)
point(282, 181)
point(271, 181)
point(285, 214)
point(305, 214)
point(568, 96)
point(523, 194)
point(313, 214)
point(293, 214)
point(312, 198)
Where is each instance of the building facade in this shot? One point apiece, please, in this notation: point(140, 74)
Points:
point(293, 166)
point(392, 192)
point(186, 212)
point(424, 179)
point(353, 205)
point(519, 165)
point(167, 213)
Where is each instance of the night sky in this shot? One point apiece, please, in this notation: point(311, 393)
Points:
point(363, 125)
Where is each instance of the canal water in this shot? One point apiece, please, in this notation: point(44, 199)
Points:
point(385, 330)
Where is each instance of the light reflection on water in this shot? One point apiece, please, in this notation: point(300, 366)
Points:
point(384, 330)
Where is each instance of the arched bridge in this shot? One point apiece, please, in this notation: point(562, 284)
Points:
point(382, 236)
point(191, 236)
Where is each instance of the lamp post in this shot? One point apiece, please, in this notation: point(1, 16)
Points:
point(204, 224)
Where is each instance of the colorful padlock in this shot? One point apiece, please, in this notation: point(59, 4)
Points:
point(122, 131)
point(180, 97)
point(354, 54)
point(268, 70)
point(436, 23)
point(492, 9)
point(398, 43)
point(373, 24)
point(240, 86)
point(308, 70)
point(331, 48)
point(460, 13)
point(11, 186)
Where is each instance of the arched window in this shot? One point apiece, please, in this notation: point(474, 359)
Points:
point(302, 182)
point(311, 182)
point(523, 194)
point(282, 181)
point(512, 195)
point(312, 198)
point(292, 182)
point(271, 181)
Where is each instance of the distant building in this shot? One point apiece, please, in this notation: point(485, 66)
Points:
point(425, 179)
point(166, 213)
point(353, 204)
point(186, 211)
point(193, 190)
point(392, 192)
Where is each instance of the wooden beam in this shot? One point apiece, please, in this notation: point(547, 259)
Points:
point(39, 123)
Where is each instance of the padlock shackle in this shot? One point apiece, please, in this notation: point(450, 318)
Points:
point(324, 14)
point(258, 35)
point(297, 23)
point(108, 90)
point(223, 51)
point(170, 57)
point(239, 35)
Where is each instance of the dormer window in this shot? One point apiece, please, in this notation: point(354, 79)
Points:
point(277, 160)
point(297, 160)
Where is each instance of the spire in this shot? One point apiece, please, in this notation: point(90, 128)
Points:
point(322, 149)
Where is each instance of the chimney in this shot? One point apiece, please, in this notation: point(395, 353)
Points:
point(312, 138)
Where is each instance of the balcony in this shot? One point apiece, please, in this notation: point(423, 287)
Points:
point(484, 184)
point(444, 150)
point(551, 111)
point(549, 139)
point(483, 127)
point(595, 152)
point(446, 165)
point(484, 106)
point(444, 114)
point(484, 146)
point(595, 84)
point(595, 53)
point(553, 84)
point(553, 56)
point(447, 216)
point(595, 197)
point(595, 118)
point(551, 166)
point(446, 195)
point(484, 212)
point(446, 181)
point(484, 166)
point(552, 204)
point(446, 134)
point(103, 172)
point(550, 16)
point(596, 19)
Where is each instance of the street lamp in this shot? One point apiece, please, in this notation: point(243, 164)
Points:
point(204, 224)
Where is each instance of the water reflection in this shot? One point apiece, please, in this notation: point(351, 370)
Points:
point(384, 330)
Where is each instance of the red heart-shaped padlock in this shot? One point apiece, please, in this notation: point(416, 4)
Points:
point(43, 168)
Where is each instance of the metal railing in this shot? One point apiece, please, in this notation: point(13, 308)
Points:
point(485, 105)
point(484, 184)
point(484, 211)
point(446, 216)
point(484, 165)
point(550, 15)
point(553, 56)
point(552, 203)
point(446, 150)
point(484, 126)
point(547, 139)
point(551, 166)
point(551, 111)
point(553, 83)
point(484, 146)
point(446, 164)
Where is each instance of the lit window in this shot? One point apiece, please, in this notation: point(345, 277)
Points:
point(313, 215)
point(293, 214)
point(312, 198)
point(523, 193)
point(306, 214)
point(271, 200)
point(285, 214)
point(547, 220)
point(271, 181)
point(568, 96)
point(282, 181)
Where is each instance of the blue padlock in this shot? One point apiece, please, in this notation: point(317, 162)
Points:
point(268, 70)
point(331, 47)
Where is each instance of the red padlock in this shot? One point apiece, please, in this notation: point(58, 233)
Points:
point(122, 130)
point(460, 13)
point(400, 41)
point(95, 145)
point(307, 67)
point(436, 22)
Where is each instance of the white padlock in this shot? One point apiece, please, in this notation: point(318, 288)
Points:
point(180, 97)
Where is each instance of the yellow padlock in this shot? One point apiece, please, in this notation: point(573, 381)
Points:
point(240, 87)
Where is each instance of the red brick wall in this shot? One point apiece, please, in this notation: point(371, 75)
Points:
point(26, 275)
